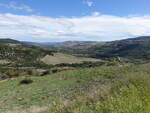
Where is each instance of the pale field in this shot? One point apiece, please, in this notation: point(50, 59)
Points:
point(64, 58)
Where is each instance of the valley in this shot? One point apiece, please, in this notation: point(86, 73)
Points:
point(75, 77)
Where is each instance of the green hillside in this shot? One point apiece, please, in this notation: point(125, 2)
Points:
point(136, 48)
point(133, 48)
point(92, 90)
point(17, 59)
point(17, 53)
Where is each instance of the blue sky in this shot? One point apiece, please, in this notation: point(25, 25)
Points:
point(57, 8)
point(61, 20)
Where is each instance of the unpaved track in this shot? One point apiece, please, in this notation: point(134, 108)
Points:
point(7, 80)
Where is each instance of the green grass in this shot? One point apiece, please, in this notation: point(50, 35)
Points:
point(127, 94)
point(41, 92)
point(92, 90)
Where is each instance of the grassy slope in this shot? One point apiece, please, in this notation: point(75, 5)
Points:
point(94, 90)
point(64, 58)
point(133, 48)
point(18, 55)
point(129, 93)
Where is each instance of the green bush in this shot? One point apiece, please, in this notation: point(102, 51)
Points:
point(26, 81)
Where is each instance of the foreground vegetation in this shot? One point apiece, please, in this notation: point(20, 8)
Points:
point(129, 93)
point(107, 89)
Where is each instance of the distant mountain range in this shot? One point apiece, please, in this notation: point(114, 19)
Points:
point(133, 48)
point(42, 44)
point(66, 44)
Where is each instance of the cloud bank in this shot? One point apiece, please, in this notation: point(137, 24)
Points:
point(97, 27)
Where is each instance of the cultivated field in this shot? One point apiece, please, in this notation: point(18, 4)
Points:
point(59, 58)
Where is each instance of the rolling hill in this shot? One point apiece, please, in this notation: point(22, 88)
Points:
point(15, 52)
point(30, 53)
point(133, 48)
point(59, 45)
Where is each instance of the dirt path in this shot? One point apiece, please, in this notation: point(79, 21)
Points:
point(7, 80)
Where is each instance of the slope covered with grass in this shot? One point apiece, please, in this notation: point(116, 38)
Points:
point(127, 94)
point(92, 90)
point(132, 48)
point(16, 54)
point(58, 58)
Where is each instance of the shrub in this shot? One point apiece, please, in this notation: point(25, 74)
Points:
point(26, 81)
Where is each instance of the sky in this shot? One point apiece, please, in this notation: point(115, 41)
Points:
point(74, 20)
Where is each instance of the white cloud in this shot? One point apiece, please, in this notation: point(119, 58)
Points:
point(89, 3)
point(94, 27)
point(15, 6)
point(96, 13)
